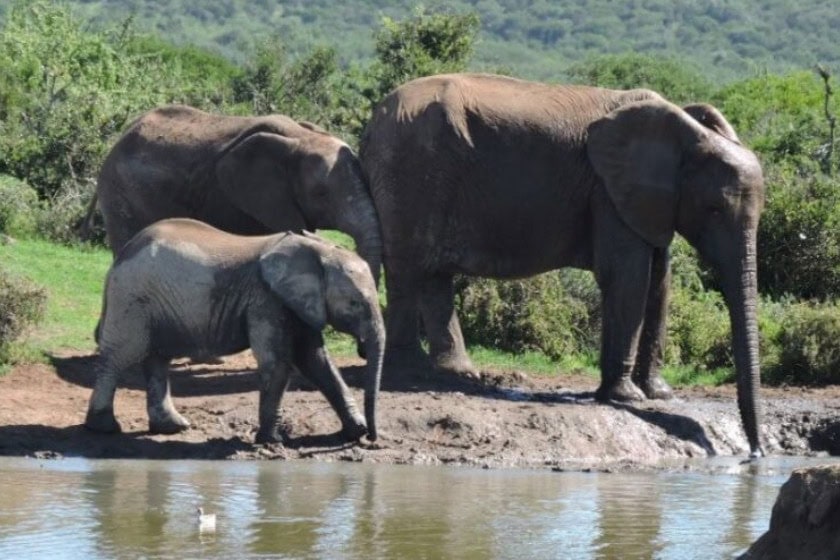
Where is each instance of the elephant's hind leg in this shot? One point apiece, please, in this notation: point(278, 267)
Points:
point(163, 418)
point(403, 350)
point(100, 415)
point(446, 341)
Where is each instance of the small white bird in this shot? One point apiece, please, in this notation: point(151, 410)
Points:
point(206, 522)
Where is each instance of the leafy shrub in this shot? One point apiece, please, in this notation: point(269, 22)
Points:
point(424, 45)
point(19, 207)
point(557, 313)
point(21, 304)
point(808, 345)
point(698, 320)
point(66, 92)
point(799, 236)
point(669, 77)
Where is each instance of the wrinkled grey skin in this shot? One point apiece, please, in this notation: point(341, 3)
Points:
point(490, 176)
point(245, 175)
point(183, 288)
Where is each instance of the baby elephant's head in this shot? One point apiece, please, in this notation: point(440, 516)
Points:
point(324, 284)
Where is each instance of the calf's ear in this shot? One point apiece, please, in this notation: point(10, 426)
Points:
point(294, 271)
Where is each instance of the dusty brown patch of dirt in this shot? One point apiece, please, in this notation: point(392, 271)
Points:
point(509, 420)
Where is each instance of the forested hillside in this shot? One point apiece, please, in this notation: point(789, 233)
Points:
point(725, 39)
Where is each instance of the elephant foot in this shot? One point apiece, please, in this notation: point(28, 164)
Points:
point(457, 365)
point(654, 387)
point(354, 431)
point(622, 391)
point(268, 436)
point(102, 421)
point(168, 425)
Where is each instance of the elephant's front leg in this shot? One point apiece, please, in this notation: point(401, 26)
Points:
point(313, 362)
point(443, 330)
point(623, 273)
point(646, 374)
point(163, 418)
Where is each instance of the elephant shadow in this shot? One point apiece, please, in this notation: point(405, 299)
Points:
point(48, 442)
point(187, 379)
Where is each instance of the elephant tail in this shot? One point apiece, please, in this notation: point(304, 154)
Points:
point(97, 331)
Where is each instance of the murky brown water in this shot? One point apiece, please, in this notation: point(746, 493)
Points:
point(76, 508)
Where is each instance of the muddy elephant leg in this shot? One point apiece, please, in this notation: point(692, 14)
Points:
point(623, 274)
point(100, 415)
point(403, 348)
point(446, 341)
point(163, 418)
point(646, 374)
point(313, 362)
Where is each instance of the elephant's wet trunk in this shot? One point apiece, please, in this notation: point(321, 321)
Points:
point(741, 297)
point(375, 352)
point(360, 221)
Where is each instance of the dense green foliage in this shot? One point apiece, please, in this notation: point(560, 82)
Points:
point(67, 90)
point(537, 38)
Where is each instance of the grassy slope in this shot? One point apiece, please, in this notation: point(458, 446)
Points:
point(73, 278)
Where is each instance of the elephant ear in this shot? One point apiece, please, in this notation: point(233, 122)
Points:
point(712, 119)
point(256, 174)
point(294, 271)
point(636, 150)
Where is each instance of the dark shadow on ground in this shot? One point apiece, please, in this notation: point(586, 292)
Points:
point(76, 441)
point(204, 380)
point(47, 442)
point(675, 425)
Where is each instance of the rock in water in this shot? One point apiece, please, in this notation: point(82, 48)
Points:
point(806, 518)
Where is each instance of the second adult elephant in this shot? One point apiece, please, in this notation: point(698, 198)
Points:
point(244, 175)
point(491, 176)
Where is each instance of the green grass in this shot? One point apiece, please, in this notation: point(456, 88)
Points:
point(73, 278)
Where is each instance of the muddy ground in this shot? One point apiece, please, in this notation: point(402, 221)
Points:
point(509, 420)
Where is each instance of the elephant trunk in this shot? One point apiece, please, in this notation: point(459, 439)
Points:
point(375, 352)
point(741, 296)
point(361, 222)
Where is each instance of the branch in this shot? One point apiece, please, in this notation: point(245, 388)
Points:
point(828, 167)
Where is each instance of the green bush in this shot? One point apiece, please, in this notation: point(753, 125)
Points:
point(19, 207)
point(556, 313)
point(698, 320)
point(672, 78)
point(808, 343)
point(65, 92)
point(21, 304)
point(799, 236)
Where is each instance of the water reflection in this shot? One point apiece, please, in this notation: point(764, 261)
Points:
point(104, 509)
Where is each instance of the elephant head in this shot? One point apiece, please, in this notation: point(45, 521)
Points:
point(291, 175)
point(323, 284)
point(669, 170)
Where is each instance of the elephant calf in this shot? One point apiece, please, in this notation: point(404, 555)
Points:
point(183, 288)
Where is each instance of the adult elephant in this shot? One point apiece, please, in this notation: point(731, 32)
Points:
point(245, 175)
point(492, 176)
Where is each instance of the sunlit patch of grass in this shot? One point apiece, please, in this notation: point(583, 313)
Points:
point(688, 375)
point(73, 277)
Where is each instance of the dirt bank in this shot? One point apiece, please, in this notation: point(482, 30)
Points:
point(512, 420)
